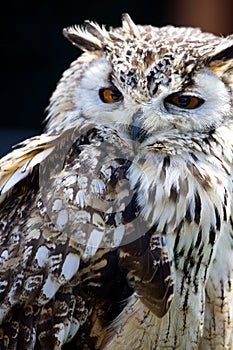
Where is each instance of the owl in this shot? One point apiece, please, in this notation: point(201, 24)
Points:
point(116, 227)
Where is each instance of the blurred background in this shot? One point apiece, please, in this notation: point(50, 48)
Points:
point(34, 52)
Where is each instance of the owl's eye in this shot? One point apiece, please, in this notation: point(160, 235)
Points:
point(110, 95)
point(184, 101)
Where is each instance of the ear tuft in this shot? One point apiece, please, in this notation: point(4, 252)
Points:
point(89, 37)
point(224, 55)
point(221, 61)
point(224, 51)
point(129, 26)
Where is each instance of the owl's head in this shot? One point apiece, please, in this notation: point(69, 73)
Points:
point(168, 78)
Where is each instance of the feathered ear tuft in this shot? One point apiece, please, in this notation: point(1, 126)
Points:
point(129, 26)
point(222, 58)
point(89, 37)
point(224, 55)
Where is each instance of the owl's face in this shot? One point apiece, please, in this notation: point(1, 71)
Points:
point(200, 105)
point(154, 79)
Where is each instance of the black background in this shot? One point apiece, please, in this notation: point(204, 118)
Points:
point(34, 52)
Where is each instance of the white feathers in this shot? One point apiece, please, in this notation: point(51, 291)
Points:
point(42, 255)
point(70, 266)
point(62, 219)
point(93, 243)
point(50, 287)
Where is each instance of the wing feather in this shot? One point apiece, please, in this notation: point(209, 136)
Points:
point(16, 165)
point(61, 240)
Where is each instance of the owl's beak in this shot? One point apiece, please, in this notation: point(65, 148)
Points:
point(137, 133)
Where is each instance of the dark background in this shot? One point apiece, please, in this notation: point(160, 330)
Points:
point(34, 52)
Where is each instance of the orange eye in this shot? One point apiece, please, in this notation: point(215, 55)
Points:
point(185, 101)
point(110, 95)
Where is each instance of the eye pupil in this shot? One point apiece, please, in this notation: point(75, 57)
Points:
point(110, 95)
point(184, 101)
point(115, 94)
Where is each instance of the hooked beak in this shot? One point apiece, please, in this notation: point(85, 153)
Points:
point(137, 133)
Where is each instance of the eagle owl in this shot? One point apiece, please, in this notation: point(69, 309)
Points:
point(116, 222)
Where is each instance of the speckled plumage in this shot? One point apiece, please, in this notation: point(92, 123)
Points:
point(116, 224)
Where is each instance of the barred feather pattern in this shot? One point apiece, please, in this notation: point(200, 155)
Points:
point(51, 263)
point(116, 226)
point(195, 228)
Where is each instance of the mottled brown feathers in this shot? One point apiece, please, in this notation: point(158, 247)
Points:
point(116, 228)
